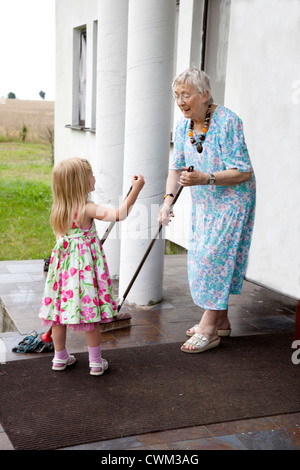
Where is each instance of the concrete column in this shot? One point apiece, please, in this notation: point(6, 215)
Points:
point(110, 115)
point(147, 140)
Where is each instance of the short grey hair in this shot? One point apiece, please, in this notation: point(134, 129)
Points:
point(196, 78)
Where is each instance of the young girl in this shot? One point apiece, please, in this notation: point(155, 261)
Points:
point(78, 290)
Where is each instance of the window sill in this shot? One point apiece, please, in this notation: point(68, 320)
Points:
point(80, 128)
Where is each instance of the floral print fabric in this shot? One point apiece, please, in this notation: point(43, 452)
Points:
point(222, 217)
point(78, 289)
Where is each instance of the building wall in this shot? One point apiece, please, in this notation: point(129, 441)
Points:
point(263, 72)
point(262, 85)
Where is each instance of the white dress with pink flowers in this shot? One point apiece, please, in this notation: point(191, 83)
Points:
point(78, 290)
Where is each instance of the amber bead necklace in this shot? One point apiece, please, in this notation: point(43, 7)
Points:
point(202, 136)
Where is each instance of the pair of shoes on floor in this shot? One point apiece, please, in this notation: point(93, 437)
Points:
point(64, 363)
point(97, 368)
point(199, 344)
point(220, 332)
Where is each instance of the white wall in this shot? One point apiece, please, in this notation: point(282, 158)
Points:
point(263, 65)
point(262, 85)
point(68, 142)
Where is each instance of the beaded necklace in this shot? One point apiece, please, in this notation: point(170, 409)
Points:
point(202, 136)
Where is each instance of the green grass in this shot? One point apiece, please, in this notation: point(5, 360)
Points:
point(25, 201)
point(172, 248)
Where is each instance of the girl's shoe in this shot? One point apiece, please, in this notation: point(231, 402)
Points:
point(189, 332)
point(64, 362)
point(98, 368)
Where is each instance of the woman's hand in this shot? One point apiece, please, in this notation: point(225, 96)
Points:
point(165, 215)
point(193, 178)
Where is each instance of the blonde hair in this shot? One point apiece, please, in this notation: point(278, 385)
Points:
point(197, 79)
point(70, 188)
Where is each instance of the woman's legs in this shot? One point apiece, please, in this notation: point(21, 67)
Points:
point(210, 323)
point(223, 323)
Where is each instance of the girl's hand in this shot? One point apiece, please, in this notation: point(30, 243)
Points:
point(137, 182)
point(165, 215)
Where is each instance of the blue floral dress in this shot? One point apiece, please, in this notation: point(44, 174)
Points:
point(78, 289)
point(222, 217)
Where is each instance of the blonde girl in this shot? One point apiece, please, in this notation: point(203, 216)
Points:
point(78, 290)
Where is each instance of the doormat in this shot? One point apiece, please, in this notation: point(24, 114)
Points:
point(147, 389)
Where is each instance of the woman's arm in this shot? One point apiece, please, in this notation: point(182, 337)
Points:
point(108, 214)
point(222, 178)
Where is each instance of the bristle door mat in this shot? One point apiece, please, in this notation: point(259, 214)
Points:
point(147, 389)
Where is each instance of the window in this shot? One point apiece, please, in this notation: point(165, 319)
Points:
point(84, 90)
point(94, 83)
point(82, 79)
point(79, 78)
point(214, 50)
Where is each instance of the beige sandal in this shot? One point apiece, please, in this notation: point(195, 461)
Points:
point(200, 343)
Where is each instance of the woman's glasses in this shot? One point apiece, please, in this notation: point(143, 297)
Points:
point(184, 97)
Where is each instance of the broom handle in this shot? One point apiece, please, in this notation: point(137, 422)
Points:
point(109, 228)
point(191, 168)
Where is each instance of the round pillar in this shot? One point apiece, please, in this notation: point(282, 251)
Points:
point(147, 141)
point(110, 116)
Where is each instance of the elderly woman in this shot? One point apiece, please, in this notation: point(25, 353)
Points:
point(210, 138)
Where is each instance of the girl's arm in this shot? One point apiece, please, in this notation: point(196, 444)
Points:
point(108, 214)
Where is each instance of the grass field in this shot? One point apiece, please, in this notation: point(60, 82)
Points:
point(25, 185)
point(37, 116)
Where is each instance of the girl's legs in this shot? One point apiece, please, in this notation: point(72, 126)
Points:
point(93, 337)
point(94, 348)
point(59, 333)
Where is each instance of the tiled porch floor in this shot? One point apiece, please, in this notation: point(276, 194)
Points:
point(256, 311)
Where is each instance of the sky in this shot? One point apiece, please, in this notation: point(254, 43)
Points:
point(27, 48)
